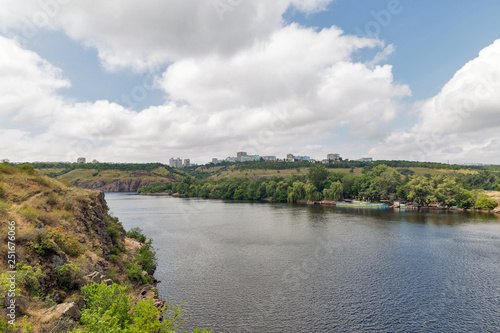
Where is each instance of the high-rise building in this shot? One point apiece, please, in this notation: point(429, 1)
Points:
point(333, 157)
point(239, 155)
point(175, 162)
point(187, 162)
point(81, 160)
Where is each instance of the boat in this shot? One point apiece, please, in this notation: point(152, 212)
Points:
point(363, 204)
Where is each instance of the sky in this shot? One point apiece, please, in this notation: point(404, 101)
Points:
point(130, 81)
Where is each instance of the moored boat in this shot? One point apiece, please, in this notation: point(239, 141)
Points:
point(362, 204)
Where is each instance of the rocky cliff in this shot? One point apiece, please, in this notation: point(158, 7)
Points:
point(64, 239)
point(115, 185)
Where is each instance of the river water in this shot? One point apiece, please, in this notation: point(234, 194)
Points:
point(261, 267)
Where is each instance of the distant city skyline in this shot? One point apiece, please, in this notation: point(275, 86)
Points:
point(136, 82)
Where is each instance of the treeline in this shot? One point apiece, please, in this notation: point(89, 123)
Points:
point(99, 166)
point(347, 164)
point(379, 184)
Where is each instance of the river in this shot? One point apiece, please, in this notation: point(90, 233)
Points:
point(262, 267)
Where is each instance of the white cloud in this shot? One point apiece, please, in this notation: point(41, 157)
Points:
point(240, 81)
point(462, 122)
point(143, 34)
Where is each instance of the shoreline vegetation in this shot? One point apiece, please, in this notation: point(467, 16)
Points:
point(71, 266)
point(321, 186)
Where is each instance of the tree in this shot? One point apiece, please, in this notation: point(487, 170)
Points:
point(296, 192)
point(419, 190)
point(484, 202)
point(334, 192)
point(317, 175)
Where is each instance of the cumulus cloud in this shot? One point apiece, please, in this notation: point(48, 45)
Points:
point(237, 79)
point(144, 34)
point(462, 122)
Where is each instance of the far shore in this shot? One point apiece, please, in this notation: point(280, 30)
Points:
point(331, 203)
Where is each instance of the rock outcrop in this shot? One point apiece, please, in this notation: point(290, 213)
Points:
point(115, 185)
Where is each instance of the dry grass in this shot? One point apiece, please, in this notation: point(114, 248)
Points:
point(495, 195)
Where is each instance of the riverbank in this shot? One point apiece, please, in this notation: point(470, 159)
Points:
point(65, 249)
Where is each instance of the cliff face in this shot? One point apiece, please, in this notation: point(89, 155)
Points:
point(64, 240)
point(116, 185)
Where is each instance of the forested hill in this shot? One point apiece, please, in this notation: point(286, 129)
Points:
point(378, 183)
point(125, 177)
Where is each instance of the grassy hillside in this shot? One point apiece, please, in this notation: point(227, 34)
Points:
point(234, 171)
point(66, 251)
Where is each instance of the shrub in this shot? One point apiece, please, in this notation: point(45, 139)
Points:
point(27, 169)
point(29, 214)
point(2, 191)
point(19, 326)
point(29, 278)
point(134, 271)
point(7, 169)
point(68, 206)
point(41, 243)
point(43, 180)
point(52, 199)
point(114, 229)
point(69, 276)
point(69, 243)
point(67, 183)
point(136, 233)
point(484, 202)
point(112, 310)
point(147, 257)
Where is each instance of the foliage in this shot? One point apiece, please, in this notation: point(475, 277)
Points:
point(484, 202)
point(5, 285)
point(69, 243)
point(147, 257)
point(110, 309)
point(136, 233)
point(19, 327)
point(114, 229)
point(134, 271)
point(29, 278)
point(69, 276)
point(317, 176)
point(2, 191)
point(41, 243)
point(27, 169)
point(379, 182)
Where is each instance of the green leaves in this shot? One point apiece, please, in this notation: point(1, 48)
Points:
point(111, 310)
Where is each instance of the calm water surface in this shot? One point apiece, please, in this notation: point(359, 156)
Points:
point(260, 267)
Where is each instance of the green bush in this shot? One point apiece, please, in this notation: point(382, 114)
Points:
point(136, 233)
point(134, 272)
point(112, 310)
point(41, 243)
point(147, 257)
point(69, 276)
point(29, 278)
point(2, 191)
point(69, 243)
point(114, 229)
point(7, 169)
point(484, 202)
point(27, 169)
